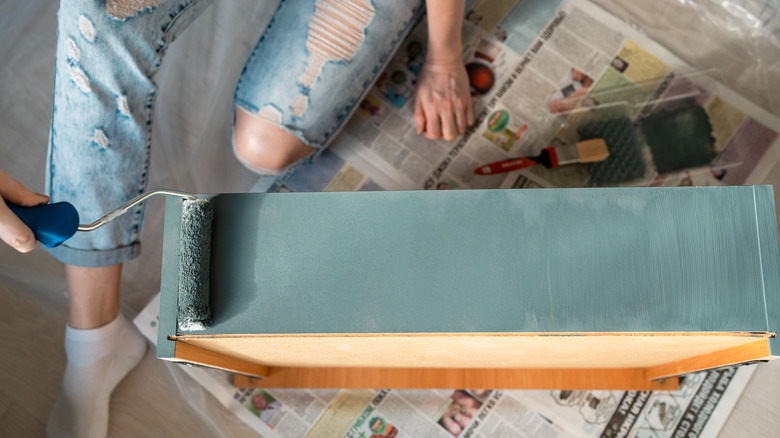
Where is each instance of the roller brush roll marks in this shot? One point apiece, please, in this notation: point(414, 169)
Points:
point(194, 261)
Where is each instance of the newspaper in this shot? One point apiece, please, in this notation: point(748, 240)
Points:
point(698, 409)
point(583, 65)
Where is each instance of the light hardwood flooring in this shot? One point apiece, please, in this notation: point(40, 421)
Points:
point(147, 403)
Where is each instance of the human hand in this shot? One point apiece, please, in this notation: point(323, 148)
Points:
point(12, 230)
point(443, 100)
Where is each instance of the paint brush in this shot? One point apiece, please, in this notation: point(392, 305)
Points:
point(587, 151)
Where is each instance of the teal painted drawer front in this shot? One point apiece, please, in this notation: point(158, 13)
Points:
point(545, 260)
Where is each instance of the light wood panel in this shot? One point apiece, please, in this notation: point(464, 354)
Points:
point(199, 356)
point(756, 350)
point(469, 350)
point(411, 378)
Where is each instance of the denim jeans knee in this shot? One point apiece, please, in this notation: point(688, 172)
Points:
point(315, 63)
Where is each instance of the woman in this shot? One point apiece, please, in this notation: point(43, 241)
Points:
point(308, 71)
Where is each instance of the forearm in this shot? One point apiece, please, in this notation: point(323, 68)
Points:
point(445, 18)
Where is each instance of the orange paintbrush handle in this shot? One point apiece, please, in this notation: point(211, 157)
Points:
point(504, 166)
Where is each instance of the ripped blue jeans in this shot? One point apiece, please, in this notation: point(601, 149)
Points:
point(108, 52)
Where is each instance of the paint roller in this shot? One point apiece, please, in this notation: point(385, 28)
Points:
point(55, 223)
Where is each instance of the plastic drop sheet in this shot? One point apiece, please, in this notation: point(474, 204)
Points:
point(735, 41)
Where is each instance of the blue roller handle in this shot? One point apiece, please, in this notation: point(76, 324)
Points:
point(52, 224)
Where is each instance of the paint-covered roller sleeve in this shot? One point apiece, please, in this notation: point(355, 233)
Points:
point(194, 260)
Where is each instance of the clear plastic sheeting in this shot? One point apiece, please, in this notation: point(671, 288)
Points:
point(220, 421)
point(738, 41)
point(735, 41)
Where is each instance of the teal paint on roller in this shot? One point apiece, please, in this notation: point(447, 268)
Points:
point(194, 257)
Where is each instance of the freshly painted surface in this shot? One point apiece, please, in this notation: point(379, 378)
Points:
point(766, 223)
point(547, 260)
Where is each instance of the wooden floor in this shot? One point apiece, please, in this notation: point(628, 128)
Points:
point(149, 402)
point(32, 360)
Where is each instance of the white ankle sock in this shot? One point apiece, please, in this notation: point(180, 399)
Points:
point(98, 359)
